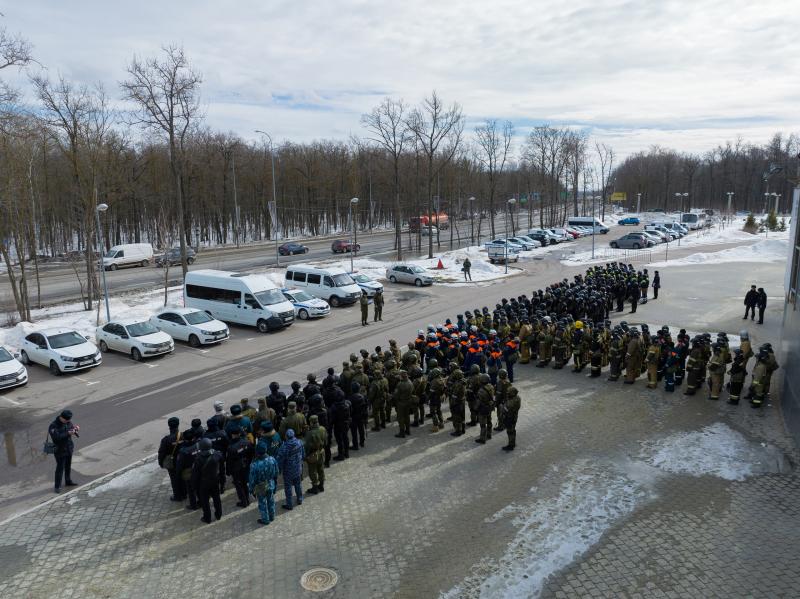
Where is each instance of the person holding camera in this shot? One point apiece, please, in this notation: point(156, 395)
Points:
point(61, 431)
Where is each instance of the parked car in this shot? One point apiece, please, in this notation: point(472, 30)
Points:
point(426, 231)
point(12, 372)
point(306, 305)
point(632, 241)
point(574, 233)
point(585, 230)
point(544, 237)
point(367, 284)
point(408, 273)
point(196, 327)
point(628, 220)
point(341, 246)
point(591, 223)
point(526, 242)
point(501, 242)
point(561, 234)
point(332, 284)
point(138, 338)
point(128, 254)
point(502, 253)
point(61, 350)
point(291, 248)
point(656, 236)
point(669, 233)
point(173, 257)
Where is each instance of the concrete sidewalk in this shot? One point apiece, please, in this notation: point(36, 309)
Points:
point(608, 494)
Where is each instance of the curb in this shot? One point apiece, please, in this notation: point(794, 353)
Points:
point(79, 488)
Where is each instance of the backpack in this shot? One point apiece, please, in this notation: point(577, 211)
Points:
point(209, 471)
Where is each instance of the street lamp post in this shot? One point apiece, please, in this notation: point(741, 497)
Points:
point(681, 197)
point(353, 232)
point(730, 198)
point(472, 220)
point(638, 203)
point(274, 193)
point(509, 205)
point(594, 198)
point(98, 209)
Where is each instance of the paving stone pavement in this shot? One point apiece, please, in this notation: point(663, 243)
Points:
point(435, 514)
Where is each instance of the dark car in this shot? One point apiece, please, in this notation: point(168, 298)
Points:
point(173, 257)
point(632, 241)
point(340, 246)
point(289, 249)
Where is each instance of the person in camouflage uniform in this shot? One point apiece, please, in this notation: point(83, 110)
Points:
point(262, 484)
point(376, 395)
point(485, 395)
point(403, 397)
point(316, 440)
point(436, 390)
point(501, 394)
point(513, 404)
point(473, 382)
point(420, 383)
point(457, 399)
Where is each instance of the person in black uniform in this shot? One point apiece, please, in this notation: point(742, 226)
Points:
point(219, 441)
point(187, 452)
point(205, 478)
point(276, 400)
point(340, 416)
point(240, 454)
point(358, 416)
point(61, 431)
point(167, 458)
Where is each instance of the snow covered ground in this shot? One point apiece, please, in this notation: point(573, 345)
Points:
point(765, 248)
point(593, 496)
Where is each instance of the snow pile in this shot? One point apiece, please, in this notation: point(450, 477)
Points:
point(716, 450)
point(135, 478)
point(73, 316)
point(553, 533)
point(768, 250)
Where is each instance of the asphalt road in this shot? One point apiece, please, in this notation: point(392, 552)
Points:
point(122, 405)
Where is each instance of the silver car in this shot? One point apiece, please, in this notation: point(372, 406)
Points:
point(633, 241)
point(408, 273)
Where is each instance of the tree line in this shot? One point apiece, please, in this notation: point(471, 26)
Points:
point(169, 179)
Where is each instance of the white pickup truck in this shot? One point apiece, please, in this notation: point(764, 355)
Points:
point(499, 253)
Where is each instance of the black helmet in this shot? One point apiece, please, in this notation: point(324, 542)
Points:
point(295, 385)
point(273, 386)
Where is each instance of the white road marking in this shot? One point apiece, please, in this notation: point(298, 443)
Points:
point(250, 339)
point(90, 383)
point(152, 365)
point(12, 402)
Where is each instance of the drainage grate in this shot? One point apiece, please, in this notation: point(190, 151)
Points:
point(319, 580)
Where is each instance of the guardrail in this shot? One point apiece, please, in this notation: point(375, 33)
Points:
point(621, 254)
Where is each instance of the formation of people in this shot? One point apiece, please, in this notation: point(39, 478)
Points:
point(468, 364)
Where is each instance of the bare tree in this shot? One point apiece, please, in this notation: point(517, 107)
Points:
point(494, 146)
point(167, 96)
point(15, 51)
point(605, 157)
point(575, 148)
point(438, 130)
point(389, 129)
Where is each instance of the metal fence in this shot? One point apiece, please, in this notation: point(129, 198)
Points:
point(617, 254)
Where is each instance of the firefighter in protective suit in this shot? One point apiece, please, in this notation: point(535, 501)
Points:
point(653, 356)
point(716, 368)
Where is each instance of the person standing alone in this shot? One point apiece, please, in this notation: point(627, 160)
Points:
point(656, 284)
point(377, 302)
point(61, 431)
point(466, 268)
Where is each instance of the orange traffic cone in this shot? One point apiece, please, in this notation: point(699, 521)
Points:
point(440, 266)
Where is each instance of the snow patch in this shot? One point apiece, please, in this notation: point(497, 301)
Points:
point(715, 450)
point(768, 250)
point(552, 533)
point(135, 478)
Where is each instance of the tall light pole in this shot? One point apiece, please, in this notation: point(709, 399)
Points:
point(638, 203)
point(730, 198)
point(777, 200)
point(472, 220)
point(274, 193)
point(353, 232)
point(509, 204)
point(681, 197)
point(98, 209)
point(594, 198)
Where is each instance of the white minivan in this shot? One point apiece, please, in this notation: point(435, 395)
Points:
point(589, 222)
point(128, 254)
point(251, 300)
point(334, 285)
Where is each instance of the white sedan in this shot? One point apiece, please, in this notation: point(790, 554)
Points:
point(12, 373)
point(306, 305)
point(194, 326)
point(139, 339)
point(61, 350)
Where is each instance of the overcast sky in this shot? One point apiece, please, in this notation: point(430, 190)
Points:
point(686, 74)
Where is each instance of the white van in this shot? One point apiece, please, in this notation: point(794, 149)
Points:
point(334, 285)
point(588, 221)
point(251, 300)
point(128, 254)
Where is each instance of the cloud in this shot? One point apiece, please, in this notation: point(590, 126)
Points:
point(681, 73)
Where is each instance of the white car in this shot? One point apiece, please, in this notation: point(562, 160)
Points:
point(426, 231)
point(194, 326)
point(137, 338)
point(306, 305)
point(369, 285)
point(526, 242)
point(12, 373)
point(61, 350)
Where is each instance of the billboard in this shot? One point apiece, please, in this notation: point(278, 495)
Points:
point(619, 196)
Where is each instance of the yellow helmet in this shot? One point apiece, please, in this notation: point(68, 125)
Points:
point(578, 324)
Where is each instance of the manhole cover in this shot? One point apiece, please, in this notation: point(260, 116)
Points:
point(319, 579)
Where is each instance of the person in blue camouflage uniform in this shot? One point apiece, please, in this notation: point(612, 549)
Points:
point(290, 461)
point(264, 479)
